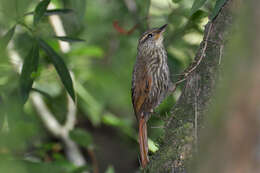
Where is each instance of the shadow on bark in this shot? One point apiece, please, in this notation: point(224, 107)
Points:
point(187, 120)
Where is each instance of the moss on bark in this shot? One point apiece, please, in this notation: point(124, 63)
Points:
point(186, 121)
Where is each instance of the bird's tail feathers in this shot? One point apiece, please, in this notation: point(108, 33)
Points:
point(143, 142)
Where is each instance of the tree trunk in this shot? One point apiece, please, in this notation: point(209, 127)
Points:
point(183, 128)
point(232, 141)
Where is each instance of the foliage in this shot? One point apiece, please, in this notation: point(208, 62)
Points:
point(95, 72)
point(30, 66)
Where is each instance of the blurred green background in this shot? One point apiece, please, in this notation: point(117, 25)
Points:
point(100, 59)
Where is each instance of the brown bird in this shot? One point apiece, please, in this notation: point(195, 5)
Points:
point(150, 82)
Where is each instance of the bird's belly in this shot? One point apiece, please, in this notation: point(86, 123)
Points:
point(159, 88)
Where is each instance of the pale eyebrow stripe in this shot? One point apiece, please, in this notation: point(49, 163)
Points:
point(145, 36)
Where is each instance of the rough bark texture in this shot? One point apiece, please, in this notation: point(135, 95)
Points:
point(232, 142)
point(183, 128)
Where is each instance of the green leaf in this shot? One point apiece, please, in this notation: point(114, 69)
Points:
point(58, 11)
point(81, 137)
point(90, 106)
point(6, 38)
point(176, 1)
point(197, 4)
point(112, 120)
point(54, 12)
point(81, 169)
point(30, 65)
point(90, 50)
point(110, 169)
point(43, 93)
point(198, 15)
point(69, 39)
point(60, 67)
point(152, 145)
point(43, 167)
point(40, 11)
point(219, 4)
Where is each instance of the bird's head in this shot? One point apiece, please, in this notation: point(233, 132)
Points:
point(151, 39)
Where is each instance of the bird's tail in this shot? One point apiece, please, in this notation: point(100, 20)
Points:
point(143, 143)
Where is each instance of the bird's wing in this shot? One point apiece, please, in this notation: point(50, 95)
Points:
point(141, 87)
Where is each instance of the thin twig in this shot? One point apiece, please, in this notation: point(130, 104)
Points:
point(94, 160)
point(196, 94)
point(193, 66)
point(220, 54)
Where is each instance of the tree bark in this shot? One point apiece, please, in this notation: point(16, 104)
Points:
point(232, 141)
point(183, 128)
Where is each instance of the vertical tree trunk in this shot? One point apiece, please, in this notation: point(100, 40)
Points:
point(232, 142)
point(184, 126)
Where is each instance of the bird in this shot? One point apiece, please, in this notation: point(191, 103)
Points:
point(150, 82)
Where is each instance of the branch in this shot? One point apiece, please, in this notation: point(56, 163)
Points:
point(58, 29)
point(71, 115)
point(46, 116)
point(131, 5)
point(52, 125)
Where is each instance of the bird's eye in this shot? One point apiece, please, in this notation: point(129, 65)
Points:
point(150, 35)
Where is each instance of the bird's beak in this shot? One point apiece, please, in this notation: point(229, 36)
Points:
point(162, 28)
point(160, 31)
